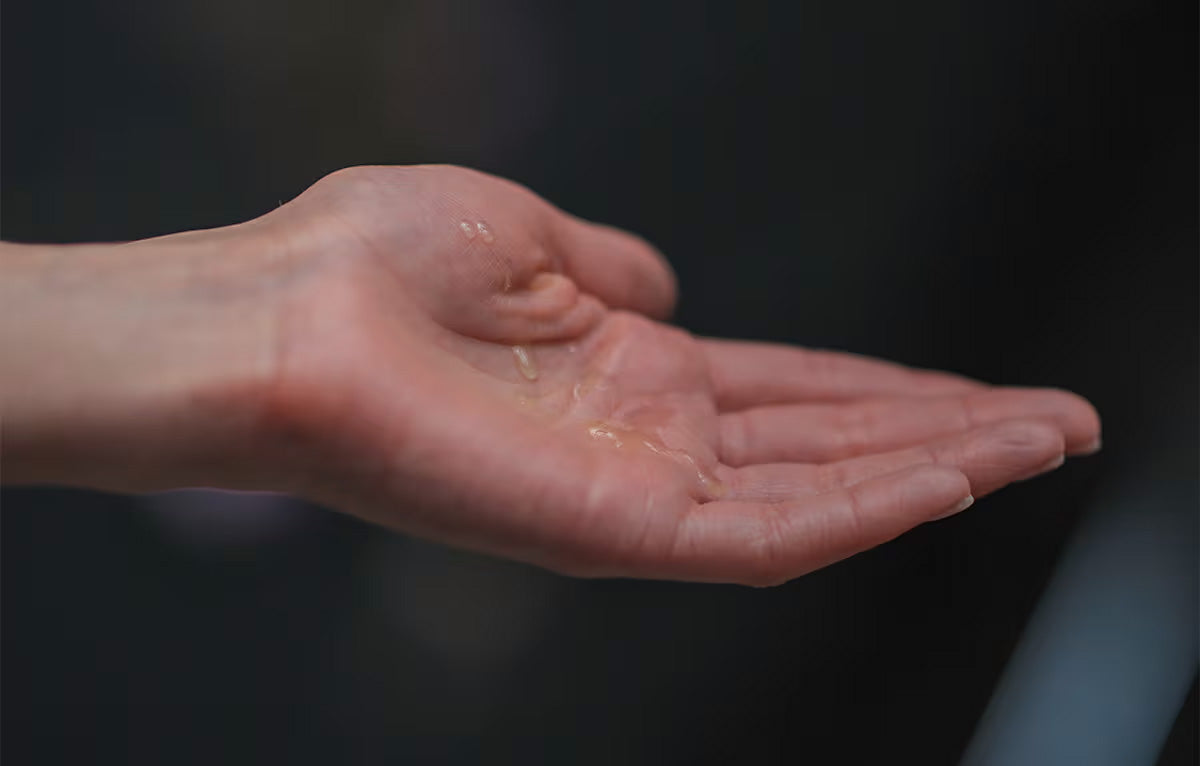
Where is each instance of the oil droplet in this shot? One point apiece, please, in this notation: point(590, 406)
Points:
point(467, 229)
point(657, 449)
point(711, 484)
point(485, 232)
point(594, 382)
point(525, 363)
point(583, 388)
point(601, 431)
point(706, 485)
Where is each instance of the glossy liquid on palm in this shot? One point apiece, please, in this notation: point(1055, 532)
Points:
point(709, 486)
point(523, 358)
point(480, 228)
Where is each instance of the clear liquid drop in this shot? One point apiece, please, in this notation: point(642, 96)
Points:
point(524, 360)
point(602, 431)
point(485, 232)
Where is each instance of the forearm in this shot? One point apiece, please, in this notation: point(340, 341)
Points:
point(130, 366)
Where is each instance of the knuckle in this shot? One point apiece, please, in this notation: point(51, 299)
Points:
point(737, 433)
point(363, 174)
point(853, 435)
point(829, 476)
point(966, 411)
point(1030, 436)
point(853, 523)
point(350, 186)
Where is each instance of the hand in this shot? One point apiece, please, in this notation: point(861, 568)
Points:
point(471, 365)
point(444, 353)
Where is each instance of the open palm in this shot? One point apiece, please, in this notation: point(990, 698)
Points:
point(466, 362)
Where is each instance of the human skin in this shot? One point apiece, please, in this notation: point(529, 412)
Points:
point(356, 347)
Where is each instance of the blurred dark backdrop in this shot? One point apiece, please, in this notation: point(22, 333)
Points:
point(1007, 189)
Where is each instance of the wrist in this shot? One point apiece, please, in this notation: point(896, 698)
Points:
point(135, 366)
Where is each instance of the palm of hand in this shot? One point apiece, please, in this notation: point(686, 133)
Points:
point(476, 377)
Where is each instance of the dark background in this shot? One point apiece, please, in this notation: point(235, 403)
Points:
point(1007, 189)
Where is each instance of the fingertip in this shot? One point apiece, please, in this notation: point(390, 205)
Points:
point(547, 295)
point(621, 268)
point(663, 285)
point(1091, 448)
point(1084, 436)
point(957, 508)
point(652, 286)
point(1049, 465)
point(564, 313)
point(1074, 416)
point(937, 486)
point(908, 497)
point(939, 491)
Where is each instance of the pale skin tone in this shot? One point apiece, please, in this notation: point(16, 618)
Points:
point(356, 347)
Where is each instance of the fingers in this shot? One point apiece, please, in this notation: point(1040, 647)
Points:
point(820, 433)
point(620, 269)
point(746, 374)
point(990, 457)
point(765, 543)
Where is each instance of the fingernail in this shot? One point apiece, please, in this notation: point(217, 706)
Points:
point(1091, 448)
point(959, 507)
point(1052, 464)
